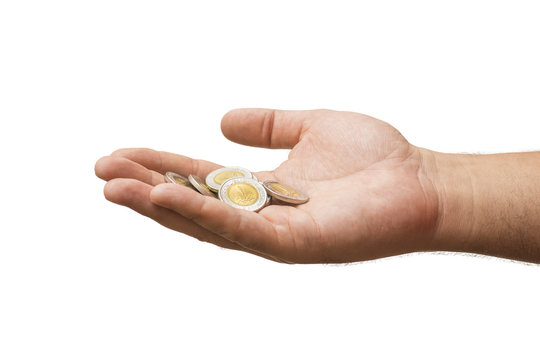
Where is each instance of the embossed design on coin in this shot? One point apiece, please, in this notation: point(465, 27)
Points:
point(243, 193)
point(285, 193)
point(217, 177)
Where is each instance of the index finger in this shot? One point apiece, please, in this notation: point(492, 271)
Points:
point(162, 161)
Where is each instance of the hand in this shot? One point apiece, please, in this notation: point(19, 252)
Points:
point(369, 194)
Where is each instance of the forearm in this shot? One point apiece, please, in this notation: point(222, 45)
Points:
point(488, 204)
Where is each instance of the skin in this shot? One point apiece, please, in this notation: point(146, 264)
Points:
point(372, 194)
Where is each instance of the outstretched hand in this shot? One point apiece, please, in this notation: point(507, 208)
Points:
point(369, 194)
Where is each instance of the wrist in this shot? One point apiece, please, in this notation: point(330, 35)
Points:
point(487, 204)
point(451, 178)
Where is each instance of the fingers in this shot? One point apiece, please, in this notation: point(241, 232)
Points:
point(161, 161)
point(275, 129)
point(248, 229)
point(108, 168)
point(136, 195)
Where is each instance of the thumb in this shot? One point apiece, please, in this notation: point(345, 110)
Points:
point(275, 129)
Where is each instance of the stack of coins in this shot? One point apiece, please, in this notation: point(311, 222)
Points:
point(239, 188)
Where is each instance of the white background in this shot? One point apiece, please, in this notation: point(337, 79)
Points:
point(81, 278)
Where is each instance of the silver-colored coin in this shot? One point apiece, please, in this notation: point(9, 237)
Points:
point(243, 193)
point(199, 184)
point(285, 193)
point(175, 178)
point(218, 176)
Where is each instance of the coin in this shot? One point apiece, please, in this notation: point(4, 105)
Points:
point(199, 184)
point(175, 178)
point(285, 193)
point(219, 176)
point(243, 193)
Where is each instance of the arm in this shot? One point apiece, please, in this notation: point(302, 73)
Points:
point(372, 193)
point(488, 204)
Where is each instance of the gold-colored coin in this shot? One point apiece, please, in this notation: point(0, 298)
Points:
point(284, 189)
point(175, 178)
point(217, 177)
point(224, 175)
point(243, 193)
point(285, 193)
point(199, 184)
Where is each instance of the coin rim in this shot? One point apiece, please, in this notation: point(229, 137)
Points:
point(210, 177)
point(170, 180)
point(288, 199)
point(197, 185)
point(258, 205)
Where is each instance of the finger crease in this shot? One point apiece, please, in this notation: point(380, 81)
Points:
point(160, 157)
point(268, 127)
point(195, 167)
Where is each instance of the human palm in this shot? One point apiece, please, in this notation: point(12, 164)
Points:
point(369, 196)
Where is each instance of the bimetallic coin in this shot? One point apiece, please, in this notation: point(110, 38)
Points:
point(219, 176)
point(243, 193)
point(285, 193)
point(174, 178)
point(199, 184)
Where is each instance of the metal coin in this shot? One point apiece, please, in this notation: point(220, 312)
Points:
point(175, 178)
point(243, 193)
point(285, 193)
point(219, 176)
point(199, 184)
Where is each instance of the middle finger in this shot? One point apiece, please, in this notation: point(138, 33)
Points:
point(109, 167)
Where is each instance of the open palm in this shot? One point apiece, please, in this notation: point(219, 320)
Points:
point(369, 196)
